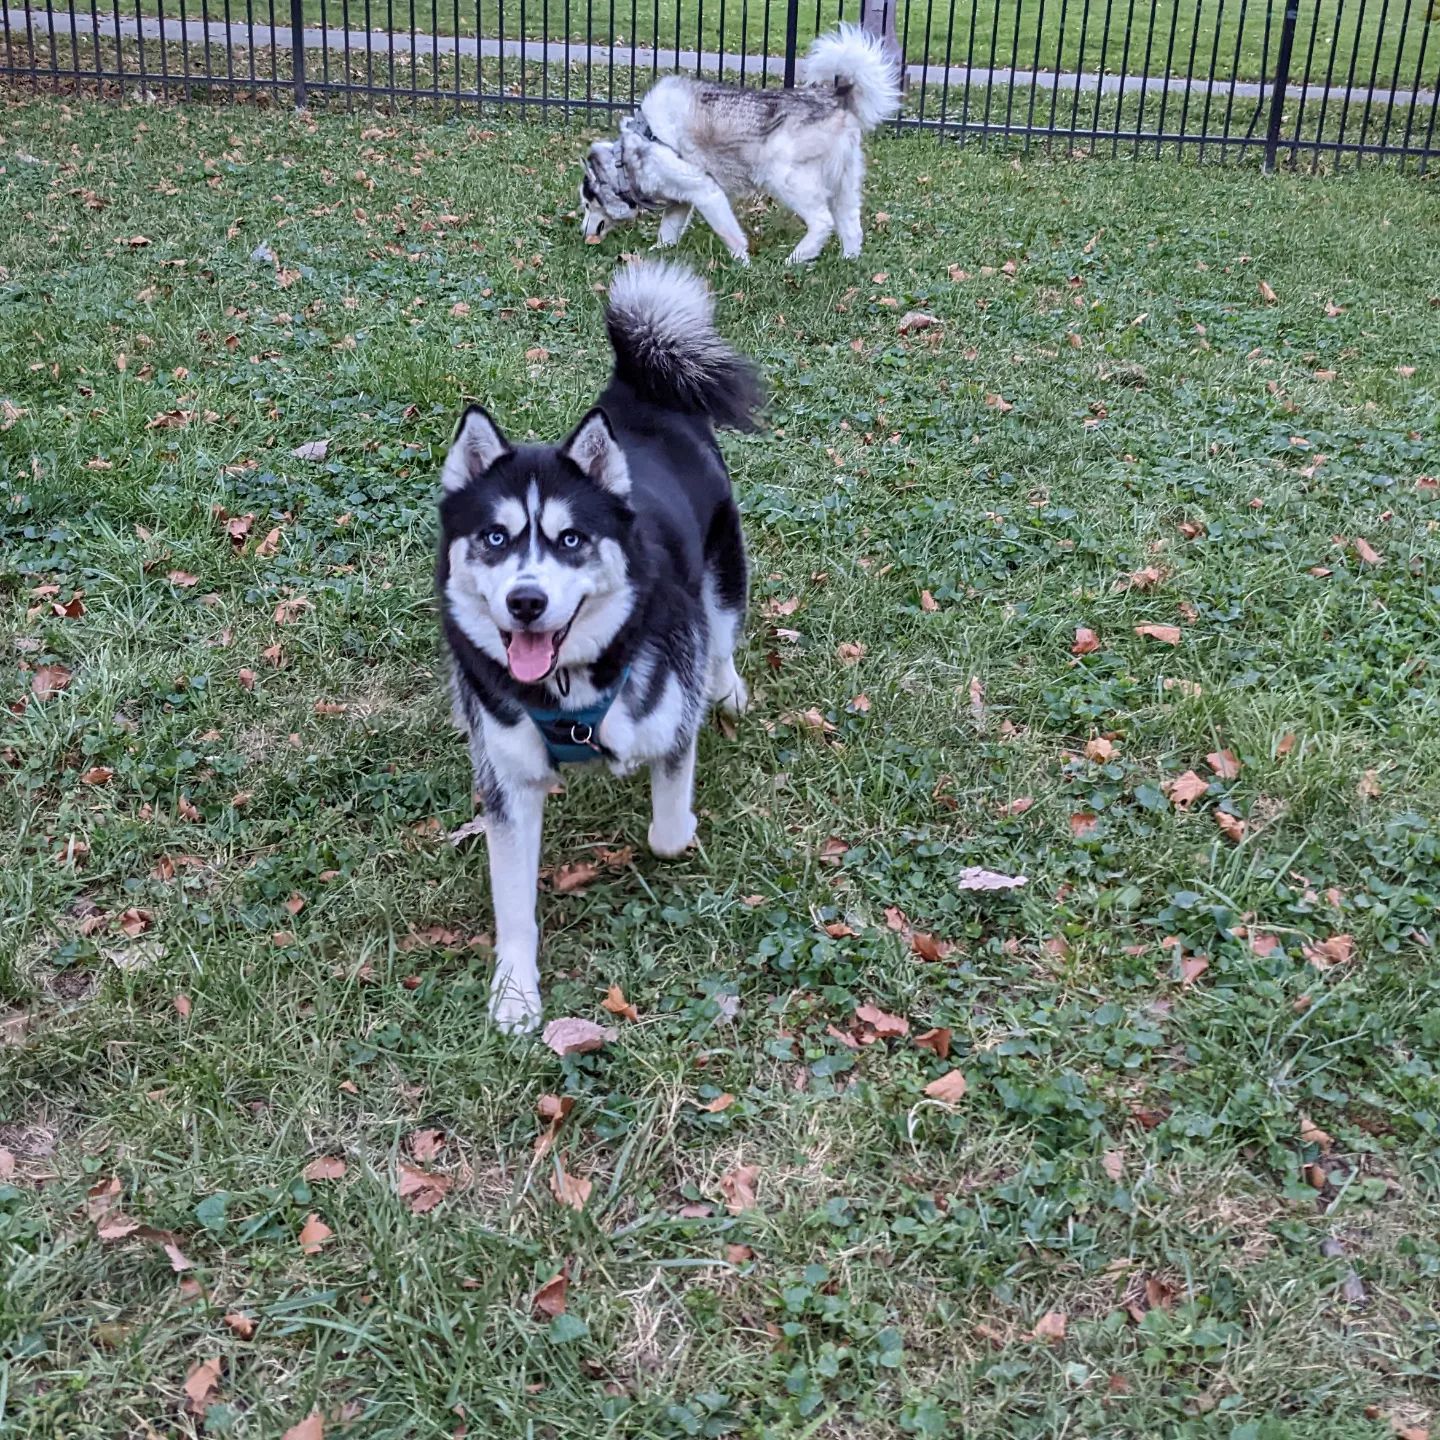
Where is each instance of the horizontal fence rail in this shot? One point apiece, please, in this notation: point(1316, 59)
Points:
point(1288, 82)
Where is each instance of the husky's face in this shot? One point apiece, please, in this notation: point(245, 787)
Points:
point(535, 538)
point(604, 199)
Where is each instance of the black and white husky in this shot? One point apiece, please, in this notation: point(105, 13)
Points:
point(591, 593)
point(693, 145)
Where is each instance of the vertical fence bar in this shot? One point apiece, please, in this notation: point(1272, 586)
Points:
point(297, 51)
point(1349, 85)
point(1079, 71)
point(1035, 74)
point(1165, 81)
point(1124, 76)
point(1395, 76)
point(1144, 80)
point(792, 30)
point(1234, 80)
point(1100, 80)
point(1014, 73)
point(990, 75)
point(1375, 69)
point(1415, 94)
point(1055, 84)
point(1210, 79)
point(1305, 78)
point(1281, 83)
point(1190, 73)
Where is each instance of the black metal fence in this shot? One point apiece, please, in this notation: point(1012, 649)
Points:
point(1289, 81)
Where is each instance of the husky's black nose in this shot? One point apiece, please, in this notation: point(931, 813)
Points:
point(527, 603)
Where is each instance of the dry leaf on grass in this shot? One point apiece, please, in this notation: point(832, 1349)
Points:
point(949, 1089)
point(738, 1188)
point(616, 1003)
point(202, 1383)
point(1086, 641)
point(1267, 293)
point(1232, 827)
point(315, 450)
point(549, 1300)
point(1367, 552)
point(1017, 806)
point(916, 320)
point(1166, 634)
point(1224, 764)
point(1184, 790)
point(313, 1234)
point(1192, 968)
point(974, 877)
point(715, 1106)
point(569, 1189)
point(1083, 824)
point(1112, 1162)
point(241, 1325)
point(552, 1109)
point(48, 681)
point(421, 1190)
point(936, 1040)
point(573, 1036)
point(426, 1144)
point(1325, 954)
point(1099, 749)
point(325, 1167)
point(850, 652)
point(885, 1025)
point(1312, 1134)
point(1051, 1327)
point(312, 1427)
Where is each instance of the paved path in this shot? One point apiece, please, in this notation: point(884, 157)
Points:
point(382, 44)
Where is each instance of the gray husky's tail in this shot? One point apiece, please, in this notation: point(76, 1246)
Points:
point(856, 65)
point(660, 320)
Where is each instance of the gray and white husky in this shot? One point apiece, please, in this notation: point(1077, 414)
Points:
point(591, 593)
point(693, 145)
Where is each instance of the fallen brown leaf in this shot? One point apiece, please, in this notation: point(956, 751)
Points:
point(715, 1106)
point(616, 1003)
point(1267, 293)
point(421, 1190)
point(738, 1188)
point(574, 877)
point(572, 1036)
point(1086, 641)
point(1224, 764)
point(201, 1385)
point(1099, 749)
point(1336, 950)
point(1192, 968)
point(1083, 824)
point(885, 1025)
point(183, 1005)
point(48, 681)
point(1112, 1162)
point(1050, 1327)
point(312, 1427)
point(569, 1189)
point(1017, 806)
point(549, 1300)
point(928, 602)
point(851, 652)
point(1312, 1134)
point(1231, 826)
point(1184, 790)
point(949, 1088)
point(1367, 552)
point(936, 1040)
point(1166, 634)
point(97, 775)
point(313, 1234)
point(243, 1326)
point(325, 1167)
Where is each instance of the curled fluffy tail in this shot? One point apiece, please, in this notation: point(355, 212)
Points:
point(855, 63)
point(660, 320)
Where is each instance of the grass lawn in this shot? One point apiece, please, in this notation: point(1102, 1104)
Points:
point(1166, 37)
point(1192, 1185)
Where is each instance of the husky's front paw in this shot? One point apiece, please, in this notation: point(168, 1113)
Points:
point(672, 836)
point(514, 1003)
point(728, 692)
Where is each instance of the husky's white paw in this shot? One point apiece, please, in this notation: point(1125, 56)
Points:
point(727, 690)
point(672, 836)
point(514, 1006)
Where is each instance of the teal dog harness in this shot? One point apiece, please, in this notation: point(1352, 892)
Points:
point(572, 736)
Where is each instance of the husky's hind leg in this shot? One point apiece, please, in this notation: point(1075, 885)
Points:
point(845, 202)
point(805, 193)
point(726, 581)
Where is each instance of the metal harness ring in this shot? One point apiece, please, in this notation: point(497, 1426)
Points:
point(576, 738)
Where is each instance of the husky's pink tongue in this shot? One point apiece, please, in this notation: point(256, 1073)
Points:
point(529, 655)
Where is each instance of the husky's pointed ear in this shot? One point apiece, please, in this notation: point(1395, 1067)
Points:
point(477, 445)
point(594, 448)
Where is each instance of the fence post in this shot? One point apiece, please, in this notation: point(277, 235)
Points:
point(297, 50)
point(1281, 83)
point(792, 40)
point(877, 17)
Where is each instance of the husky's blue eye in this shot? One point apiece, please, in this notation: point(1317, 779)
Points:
point(571, 540)
point(498, 539)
